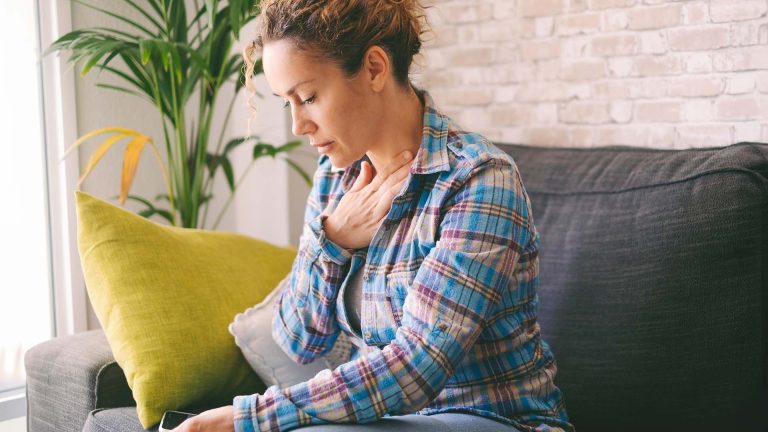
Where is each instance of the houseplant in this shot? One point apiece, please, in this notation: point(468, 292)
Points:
point(169, 59)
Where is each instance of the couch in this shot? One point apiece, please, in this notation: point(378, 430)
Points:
point(654, 287)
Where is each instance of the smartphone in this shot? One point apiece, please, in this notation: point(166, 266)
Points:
point(172, 419)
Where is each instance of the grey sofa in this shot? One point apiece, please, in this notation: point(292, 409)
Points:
point(654, 287)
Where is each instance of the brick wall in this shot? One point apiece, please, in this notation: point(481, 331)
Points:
point(652, 73)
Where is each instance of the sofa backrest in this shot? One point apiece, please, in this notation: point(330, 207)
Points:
point(654, 281)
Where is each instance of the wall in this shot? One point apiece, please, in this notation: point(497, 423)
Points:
point(649, 73)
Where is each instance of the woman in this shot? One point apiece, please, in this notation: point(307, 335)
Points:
point(419, 244)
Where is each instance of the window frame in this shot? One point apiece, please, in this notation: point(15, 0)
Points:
point(56, 79)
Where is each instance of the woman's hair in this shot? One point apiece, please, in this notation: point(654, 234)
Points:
point(342, 31)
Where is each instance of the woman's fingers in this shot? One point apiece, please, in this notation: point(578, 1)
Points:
point(364, 178)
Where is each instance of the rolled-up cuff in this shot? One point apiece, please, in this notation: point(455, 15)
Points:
point(329, 250)
point(245, 413)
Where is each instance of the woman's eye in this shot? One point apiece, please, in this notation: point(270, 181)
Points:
point(309, 101)
point(285, 104)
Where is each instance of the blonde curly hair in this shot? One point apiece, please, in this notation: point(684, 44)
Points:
point(341, 31)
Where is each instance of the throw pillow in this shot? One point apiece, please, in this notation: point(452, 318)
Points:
point(165, 296)
point(252, 330)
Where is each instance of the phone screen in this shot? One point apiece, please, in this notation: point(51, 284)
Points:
point(172, 419)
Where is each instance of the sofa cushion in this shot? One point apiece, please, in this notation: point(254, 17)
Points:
point(165, 296)
point(653, 281)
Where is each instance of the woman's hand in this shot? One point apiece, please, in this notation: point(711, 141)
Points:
point(362, 209)
point(215, 420)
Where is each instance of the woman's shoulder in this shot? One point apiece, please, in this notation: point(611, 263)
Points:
point(469, 151)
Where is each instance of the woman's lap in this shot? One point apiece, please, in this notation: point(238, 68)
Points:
point(445, 422)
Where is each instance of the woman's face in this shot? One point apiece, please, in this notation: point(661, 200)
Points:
point(335, 111)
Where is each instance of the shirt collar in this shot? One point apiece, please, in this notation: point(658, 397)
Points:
point(432, 155)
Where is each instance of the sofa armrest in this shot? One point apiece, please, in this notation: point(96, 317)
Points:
point(70, 376)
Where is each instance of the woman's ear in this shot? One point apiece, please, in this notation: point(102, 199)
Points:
point(376, 67)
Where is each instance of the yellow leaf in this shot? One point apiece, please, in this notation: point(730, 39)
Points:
point(98, 154)
point(96, 132)
point(130, 163)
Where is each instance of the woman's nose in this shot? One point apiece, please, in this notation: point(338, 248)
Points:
point(301, 124)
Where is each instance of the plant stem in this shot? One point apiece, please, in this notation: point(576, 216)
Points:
point(232, 195)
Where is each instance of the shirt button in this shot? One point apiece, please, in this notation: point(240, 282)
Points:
point(367, 277)
point(442, 326)
point(367, 335)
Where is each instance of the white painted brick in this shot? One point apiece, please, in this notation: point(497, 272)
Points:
point(614, 20)
point(698, 38)
point(521, 115)
point(701, 86)
point(580, 136)
point(504, 9)
point(653, 42)
point(699, 110)
point(654, 17)
point(543, 26)
point(465, 12)
point(567, 25)
point(505, 94)
point(443, 36)
point(442, 78)
point(471, 56)
point(467, 97)
point(585, 113)
point(657, 112)
point(730, 10)
point(740, 59)
point(614, 44)
point(583, 70)
point(541, 7)
point(468, 34)
point(497, 31)
point(548, 70)
point(741, 108)
point(575, 47)
point(657, 65)
point(613, 89)
point(762, 81)
point(475, 118)
point(698, 62)
point(545, 137)
point(740, 84)
point(747, 132)
point(661, 136)
point(653, 88)
point(574, 6)
point(621, 135)
point(606, 4)
point(621, 111)
point(703, 135)
point(764, 137)
point(621, 66)
point(695, 13)
point(745, 33)
point(540, 49)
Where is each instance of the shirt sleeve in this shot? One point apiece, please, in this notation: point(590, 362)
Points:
point(305, 325)
point(484, 229)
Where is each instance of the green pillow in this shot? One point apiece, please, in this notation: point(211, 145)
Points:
point(165, 296)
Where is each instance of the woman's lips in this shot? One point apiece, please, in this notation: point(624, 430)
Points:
point(323, 147)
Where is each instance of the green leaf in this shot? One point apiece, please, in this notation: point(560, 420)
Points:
point(229, 173)
point(299, 170)
point(118, 17)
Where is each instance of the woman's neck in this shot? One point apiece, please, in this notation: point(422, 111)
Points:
point(401, 126)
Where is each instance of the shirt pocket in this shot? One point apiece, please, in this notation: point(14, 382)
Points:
point(398, 287)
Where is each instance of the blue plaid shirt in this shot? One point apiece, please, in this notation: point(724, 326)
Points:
point(449, 312)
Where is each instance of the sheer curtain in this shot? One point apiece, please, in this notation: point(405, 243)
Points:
point(25, 283)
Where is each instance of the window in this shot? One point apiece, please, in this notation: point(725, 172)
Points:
point(26, 316)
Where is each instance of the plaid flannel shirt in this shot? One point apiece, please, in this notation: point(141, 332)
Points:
point(449, 313)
